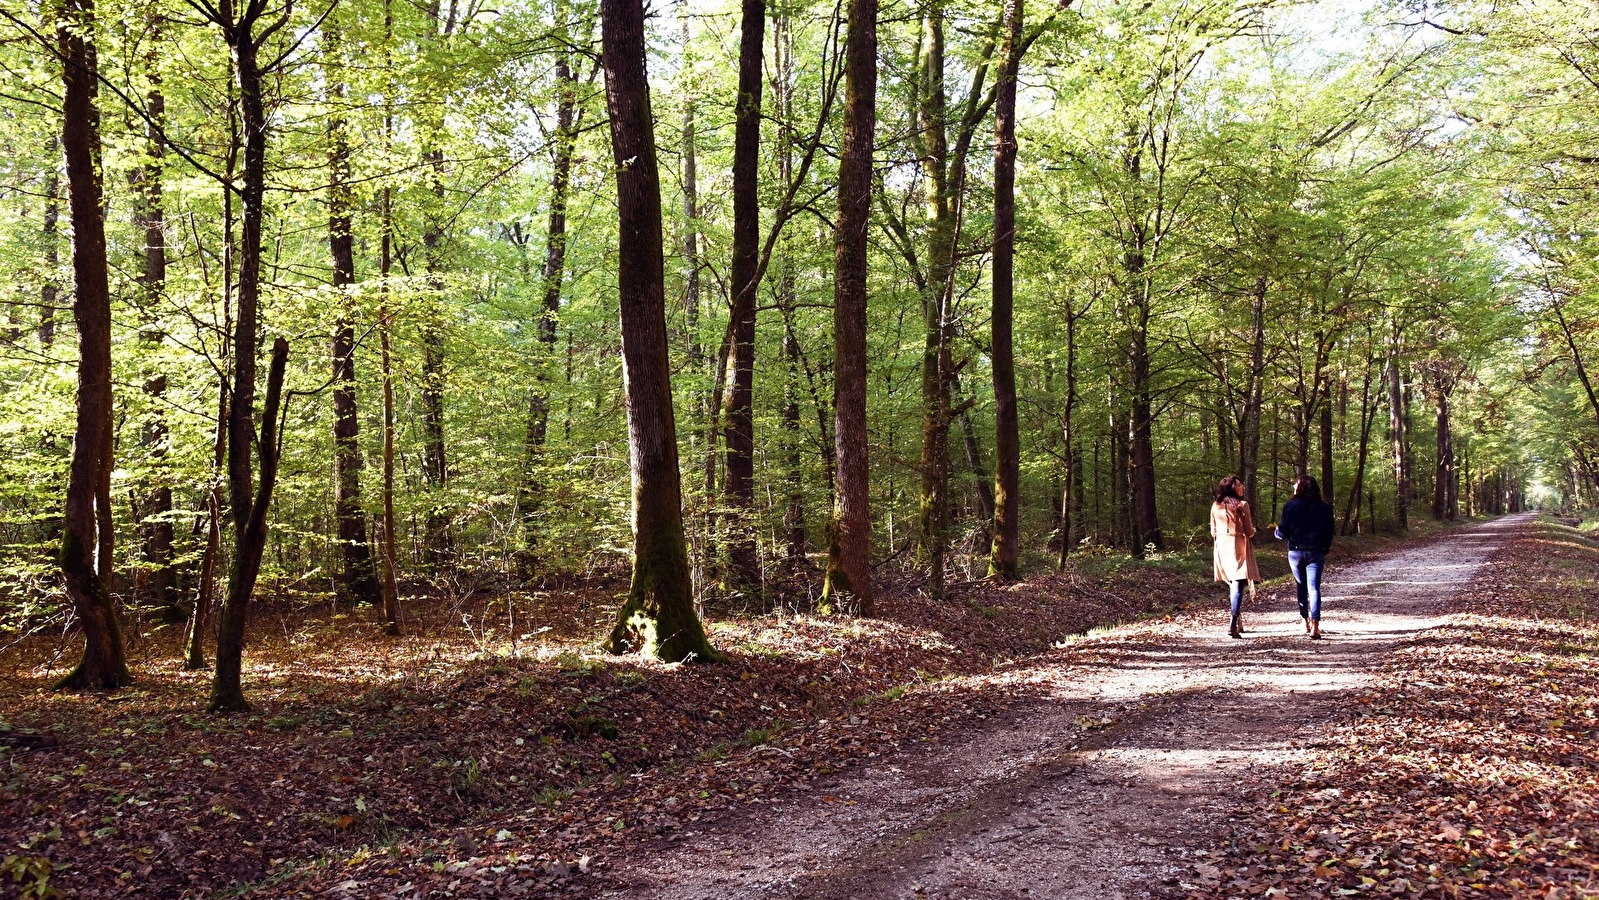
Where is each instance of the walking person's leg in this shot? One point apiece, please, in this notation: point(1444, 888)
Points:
point(1312, 587)
point(1235, 596)
point(1297, 561)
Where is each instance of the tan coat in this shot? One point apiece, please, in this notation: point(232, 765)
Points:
point(1234, 553)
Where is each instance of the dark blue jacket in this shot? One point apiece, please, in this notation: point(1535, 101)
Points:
point(1306, 524)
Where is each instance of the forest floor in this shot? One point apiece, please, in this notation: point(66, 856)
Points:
point(998, 744)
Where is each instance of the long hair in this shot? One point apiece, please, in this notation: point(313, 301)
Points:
point(1306, 488)
point(1227, 492)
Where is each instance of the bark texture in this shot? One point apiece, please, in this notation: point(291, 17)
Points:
point(743, 570)
point(551, 278)
point(848, 581)
point(155, 525)
point(249, 543)
point(103, 665)
point(1396, 434)
point(1007, 434)
point(247, 501)
point(933, 548)
point(659, 615)
point(357, 581)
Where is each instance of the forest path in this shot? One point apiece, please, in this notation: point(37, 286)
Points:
point(1106, 787)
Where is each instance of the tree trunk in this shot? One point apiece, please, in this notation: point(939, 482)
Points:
point(794, 532)
point(705, 413)
point(744, 572)
point(391, 593)
point(982, 482)
point(1144, 527)
point(249, 511)
point(437, 543)
point(205, 596)
point(1327, 492)
point(1396, 434)
point(1577, 360)
point(50, 290)
point(551, 277)
point(1072, 495)
point(713, 434)
point(1443, 506)
point(1007, 429)
point(1249, 428)
point(794, 513)
point(933, 546)
point(227, 693)
point(1116, 474)
point(357, 580)
point(1368, 416)
point(659, 613)
point(435, 467)
point(848, 563)
point(103, 665)
point(155, 526)
point(1142, 449)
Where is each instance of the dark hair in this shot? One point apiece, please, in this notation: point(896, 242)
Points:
point(1305, 487)
point(1227, 492)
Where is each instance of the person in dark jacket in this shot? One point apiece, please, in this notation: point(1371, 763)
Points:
point(1307, 525)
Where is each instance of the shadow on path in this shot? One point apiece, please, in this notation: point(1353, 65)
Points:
point(1119, 766)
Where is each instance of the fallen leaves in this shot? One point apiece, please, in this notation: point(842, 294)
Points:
point(1469, 770)
point(429, 766)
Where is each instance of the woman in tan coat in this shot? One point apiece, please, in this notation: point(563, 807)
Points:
point(1232, 526)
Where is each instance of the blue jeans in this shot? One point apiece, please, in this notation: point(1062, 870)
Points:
point(1235, 593)
point(1306, 566)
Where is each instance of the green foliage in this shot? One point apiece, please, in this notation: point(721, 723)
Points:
point(30, 875)
point(1406, 196)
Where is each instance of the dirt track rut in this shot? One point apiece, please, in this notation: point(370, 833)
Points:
point(1105, 787)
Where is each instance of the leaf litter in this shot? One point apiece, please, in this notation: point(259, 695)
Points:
point(1469, 769)
point(459, 761)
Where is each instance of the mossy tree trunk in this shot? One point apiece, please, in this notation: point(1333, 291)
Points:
point(932, 127)
point(659, 615)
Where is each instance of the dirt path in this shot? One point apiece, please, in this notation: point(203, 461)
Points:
point(1110, 785)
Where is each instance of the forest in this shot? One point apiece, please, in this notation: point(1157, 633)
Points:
point(419, 316)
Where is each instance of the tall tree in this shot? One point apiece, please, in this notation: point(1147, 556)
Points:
point(848, 561)
point(1396, 429)
point(358, 582)
point(659, 613)
point(554, 271)
point(391, 593)
point(103, 664)
point(744, 572)
point(49, 290)
point(155, 529)
point(933, 133)
point(443, 21)
point(246, 30)
point(1007, 430)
